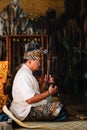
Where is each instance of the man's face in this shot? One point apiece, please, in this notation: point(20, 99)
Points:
point(35, 64)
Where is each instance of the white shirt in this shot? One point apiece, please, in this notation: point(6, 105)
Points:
point(24, 87)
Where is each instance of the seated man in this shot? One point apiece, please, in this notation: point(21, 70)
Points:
point(29, 99)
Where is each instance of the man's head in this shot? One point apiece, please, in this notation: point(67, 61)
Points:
point(32, 55)
point(32, 59)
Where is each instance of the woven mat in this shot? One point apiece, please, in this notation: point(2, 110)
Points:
point(70, 125)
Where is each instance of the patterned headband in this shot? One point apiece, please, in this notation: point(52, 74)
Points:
point(32, 55)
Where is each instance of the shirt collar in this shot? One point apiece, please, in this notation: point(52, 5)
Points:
point(25, 66)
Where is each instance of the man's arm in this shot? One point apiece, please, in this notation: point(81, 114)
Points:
point(39, 97)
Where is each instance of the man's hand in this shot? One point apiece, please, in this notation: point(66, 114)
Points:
point(52, 89)
point(49, 79)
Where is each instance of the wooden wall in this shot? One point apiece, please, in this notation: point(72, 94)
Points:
point(38, 6)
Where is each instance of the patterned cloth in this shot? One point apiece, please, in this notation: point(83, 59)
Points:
point(45, 112)
point(33, 54)
point(3, 78)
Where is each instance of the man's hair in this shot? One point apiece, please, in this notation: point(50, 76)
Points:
point(25, 60)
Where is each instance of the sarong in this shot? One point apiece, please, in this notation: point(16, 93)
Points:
point(47, 112)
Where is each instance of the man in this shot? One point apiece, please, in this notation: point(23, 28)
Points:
point(29, 99)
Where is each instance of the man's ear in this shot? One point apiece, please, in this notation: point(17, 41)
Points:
point(29, 61)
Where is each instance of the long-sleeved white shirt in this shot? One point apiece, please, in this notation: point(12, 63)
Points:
point(24, 87)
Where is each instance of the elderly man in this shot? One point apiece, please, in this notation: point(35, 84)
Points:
point(29, 99)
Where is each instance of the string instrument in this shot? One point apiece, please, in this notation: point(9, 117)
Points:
point(49, 72)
